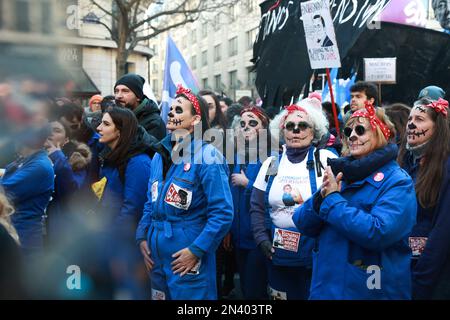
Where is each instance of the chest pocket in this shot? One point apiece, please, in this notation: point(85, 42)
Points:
point(179, 194)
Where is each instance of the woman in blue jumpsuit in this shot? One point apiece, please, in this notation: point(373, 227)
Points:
point(362, 217)
point(189, 208)
point(425, 156)
point(250, 260)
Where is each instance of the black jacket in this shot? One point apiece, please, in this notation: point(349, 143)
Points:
point(148, 116)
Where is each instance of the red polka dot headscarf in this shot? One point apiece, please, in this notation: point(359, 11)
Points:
point(369, 113)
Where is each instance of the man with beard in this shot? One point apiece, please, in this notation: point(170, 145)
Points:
point(128, 92)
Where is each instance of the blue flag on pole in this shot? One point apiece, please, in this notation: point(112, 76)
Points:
point(176, 72)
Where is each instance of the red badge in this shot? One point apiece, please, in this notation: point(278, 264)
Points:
point(378, 177)
point(187, 167)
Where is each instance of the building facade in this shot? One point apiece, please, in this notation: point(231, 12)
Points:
point(70, 30)
point(218, 48)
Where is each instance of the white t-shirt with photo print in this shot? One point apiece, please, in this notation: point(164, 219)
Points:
point(290, 187)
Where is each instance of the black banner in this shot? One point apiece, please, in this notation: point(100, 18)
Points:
point(280, 53)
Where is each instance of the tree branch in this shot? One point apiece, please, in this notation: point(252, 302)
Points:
point(103, 9)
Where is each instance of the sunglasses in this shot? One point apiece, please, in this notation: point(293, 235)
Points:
point(302, 126)
point(359, 130)
point(251, 123)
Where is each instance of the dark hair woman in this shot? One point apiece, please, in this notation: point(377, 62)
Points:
point(189, 208)
point(361, 218)
point(216, 117)
point(70, 160)
point(122, 189)
point(398, 113)
point(425, 156)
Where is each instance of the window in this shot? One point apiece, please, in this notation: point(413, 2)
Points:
point(154, 67)
point(251, 77)
point(250, 5)
point(232, 13)
point(22, 16)
point(217, 82)
point(232, 47)
point(194, 62)
point(194, 36)
point(205, 83)
point(217, 53)
point(130, 67)
point(155, 86)
point(204, 30)
point(251, 37)
point(233, 79)
point(204, 58)
point(216, 22)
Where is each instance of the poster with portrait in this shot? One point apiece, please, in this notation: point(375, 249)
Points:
point(320, 38)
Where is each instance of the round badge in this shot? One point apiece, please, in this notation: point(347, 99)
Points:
point(187, 166)
point(378, 177)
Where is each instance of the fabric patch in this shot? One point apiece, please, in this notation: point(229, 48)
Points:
point(417, 245)
point(178, 197)
point(158, 295)
point(154, 191)
point(277, 295)
point(286, 240)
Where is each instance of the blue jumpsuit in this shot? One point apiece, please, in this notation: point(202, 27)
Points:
point(250, 260)
point(190, 208)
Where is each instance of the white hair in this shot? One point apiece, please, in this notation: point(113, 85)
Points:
point(313, 109)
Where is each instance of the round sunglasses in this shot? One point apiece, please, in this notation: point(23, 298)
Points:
point(359, 130)
point(302, 126)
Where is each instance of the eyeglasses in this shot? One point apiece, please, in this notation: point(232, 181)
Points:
point(302, 126)
point(359, 130)
point(251, 123)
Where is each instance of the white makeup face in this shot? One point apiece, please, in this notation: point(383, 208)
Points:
point(250, 124)
point(420, 127)
point(180, 115)
point(361, 140)
point(298, 130)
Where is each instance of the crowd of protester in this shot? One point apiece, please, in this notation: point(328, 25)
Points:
point(302, 209)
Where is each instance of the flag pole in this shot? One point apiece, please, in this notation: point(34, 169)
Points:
point(336, 122)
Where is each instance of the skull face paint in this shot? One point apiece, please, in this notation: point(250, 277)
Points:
point(180, 115)
point(250, 125)
point(420, 126)
point(297, 138)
